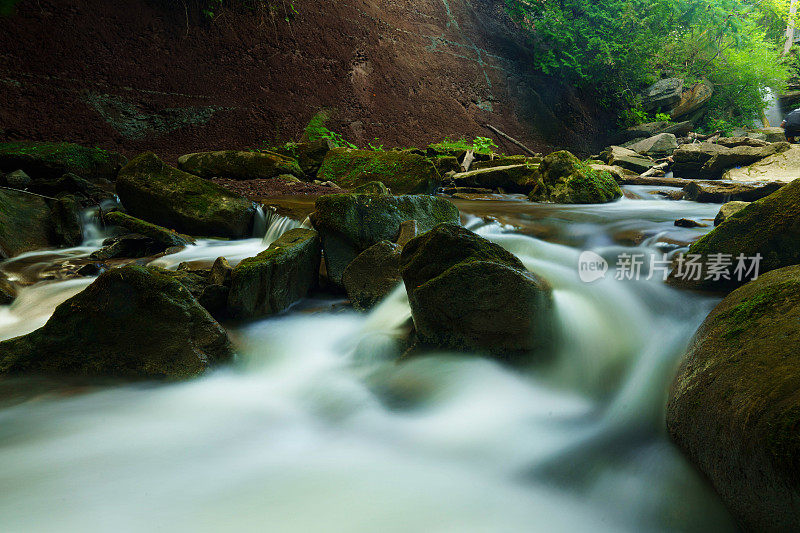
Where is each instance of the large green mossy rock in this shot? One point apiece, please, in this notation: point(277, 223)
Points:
point(51, 160)
point(132, 322)
point(734, 407)
point(467, 293)
point(769, 227)
point(25, 223)
point(351, 223)
point(277, 277)
point(403, 172)
point(564, 179)
point(239, 165)
point(511, 178)
point(309, 155)
point(158, 193)
point(161, 235)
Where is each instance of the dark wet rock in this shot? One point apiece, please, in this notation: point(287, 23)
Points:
point(718, 193)
point(51, 160)
point(659, 145)
point(689, 223)
point(17, 180)
point(66, 222)
point(727, 210)
point(372, 187)
point(690, 158)
point(628, 159)
point(128, 246)
point(350, 223)
point(132, 322)
point(72, 184)
point(563, 178)
point(166, 237)
point(408, 230)
point(734, 407)
point(91, 269)
point(7, 291)
point(769, 227)
point(733, 142)
point(25, 223)
point(210, 287)
point(513, 178)
point(277, 277)
point(404, 172)
point(155, 192)
point(663, 94)
point(467, 293)
point(372, 275)
point(239, 165)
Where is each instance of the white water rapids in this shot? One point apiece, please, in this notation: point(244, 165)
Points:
point(317, 428)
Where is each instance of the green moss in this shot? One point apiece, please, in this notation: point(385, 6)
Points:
point(740, 318)
point(53, 159)
point(402, 172)
point(566, 179)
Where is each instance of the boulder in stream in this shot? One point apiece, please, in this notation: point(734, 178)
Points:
point(161, 235)
point(25, 223)
point(239, 165)
point(65, 218)
point(564, 179)
point(372, 275)
point(734, 407)
point(158, 193)
point(467, 293)
point(277, 277)
point(404, 172)
point(350, 223)
point(131, 322)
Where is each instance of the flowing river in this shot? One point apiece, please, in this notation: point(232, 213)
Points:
point(316, 427)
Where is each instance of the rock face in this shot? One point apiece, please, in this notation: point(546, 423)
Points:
point(564, 179)
point(709, 160)
point(783, 166)
point(161, 235)
point(131, 322)
point(24, 223)
point(163, 195)
point(732, 142)
point(372, 275)
point(769, 227)
point(277, 277)
point(467, 293)
point(663, 93)
point(511, 178)
point(628, 159)
point(404, 172)
point(727, 210)
point(725, 192)
point(351, 223)
point(659, 145)
point(693, 99)
point(47, 160)
point(733, 407)
point(237, 165)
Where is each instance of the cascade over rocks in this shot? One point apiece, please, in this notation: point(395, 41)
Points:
point(277, 277)
point(350, 223)
point(404, 172)
point(467, 293)
point(239, 165)
point(158, 193)
point(51, 160)
point(563, 178)
point(734, 407)
point(131, 322)
point(769, 227)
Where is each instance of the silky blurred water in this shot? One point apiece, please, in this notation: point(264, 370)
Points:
point(316, 427)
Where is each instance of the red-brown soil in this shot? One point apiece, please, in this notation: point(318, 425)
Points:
point(133, 76)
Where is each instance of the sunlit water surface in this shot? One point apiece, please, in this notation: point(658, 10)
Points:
point(317, 428)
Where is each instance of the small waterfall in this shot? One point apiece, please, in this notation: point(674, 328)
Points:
point(276, 225)
point(773, 112)
point(94, 231)
point(259, 222)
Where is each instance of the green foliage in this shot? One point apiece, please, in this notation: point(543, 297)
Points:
point(480, 145)
point(317, 129)
point(616, 48)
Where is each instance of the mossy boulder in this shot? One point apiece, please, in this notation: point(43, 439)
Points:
point(769, 227)
point(372, 187)
point(51, 160)
point(161, 235)
point(467, 293)
point(564, 179)
point(24, 223)
point(727, 210)
point(131, 322)
point(512, 178)
point(277, 277)
point(505, 161)
point(402, 171)
point(158, 193)
point(734, 407)
point(309, 155)
point(209, 286)
point(239, 165)
point(86, 192)
point(351, 223)
point(372, 275)
point(65, 219)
